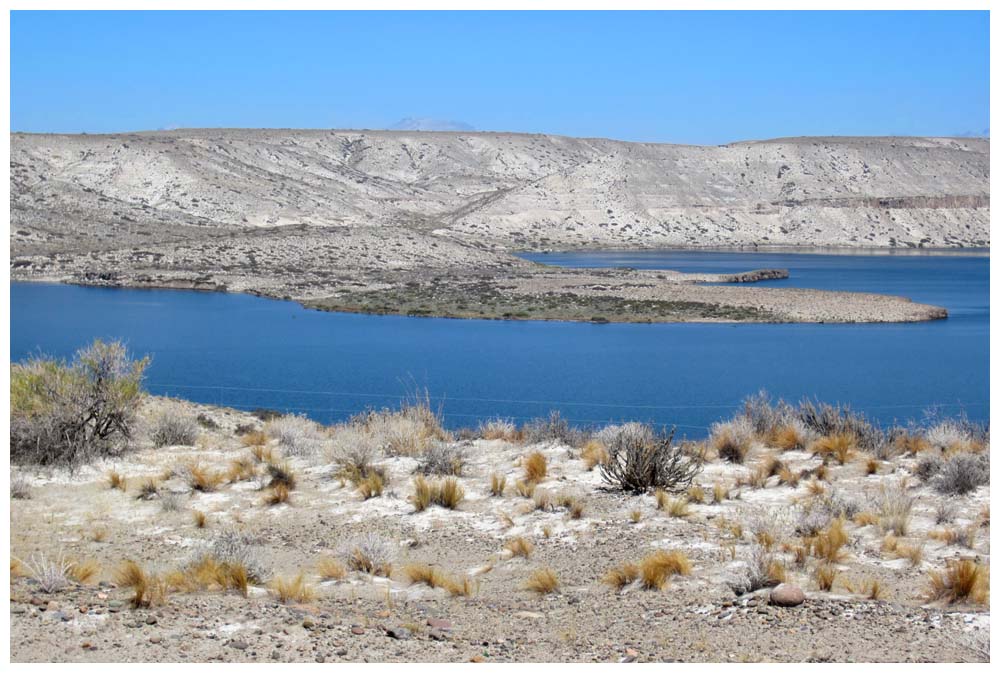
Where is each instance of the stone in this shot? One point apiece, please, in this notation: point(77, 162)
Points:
point(437, 634)
point(151, 619)
point(787, 596)
point(440, 624)
point(358, 630)
point(398, 632)
point(238, 644)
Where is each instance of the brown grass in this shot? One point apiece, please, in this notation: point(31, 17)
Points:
point(621, 576)
point(280, 472)
point(635, 516)
point(84, 572)
point(202, 479)
point(464, 586)
point(257, 438)
point(148, 489)
point(840, 446)
point(962, 580)
point(241, 469)
point(696, 494)
point(520, 546)
point(911, 444)
point(873, 590)
point(277, 495)
point(371, 486)
point(262, 453)
point(422, 573)
point(147, 588)
point(825, 575)
point(788, 438)
point(525, 489)
point(330, 568)
point(116, 481)
point(828, 545)
point(292, 589)
point(866, 519)
point(719, 492)
point(450, 493)
point(871, 466)
point(788, 477)
point(447, 493)
point(200, 518)
point(543, 581)
point(498, 483)
point(593, 454)
point(535, 467)
point(656, 569)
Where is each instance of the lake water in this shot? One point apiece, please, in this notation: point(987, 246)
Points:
point(249, 352)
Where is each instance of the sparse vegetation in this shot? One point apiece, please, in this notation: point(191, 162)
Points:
point(447, 493)
point(519, 546)
point(369, 553)
point(543, 581)
point(535, 467)
point(173, 428)
point(640, 460)
point(292, 589)
point(961, 580)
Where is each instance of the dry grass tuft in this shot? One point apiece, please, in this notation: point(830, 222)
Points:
point(656, 569)
point(535, 467)
point(262, 453)
point(292, 590)
point(962, 580)
point(543, 581)
point(465, 586)
point(256, 438)
point(447, 493)
point(788, 477)
point(635, 516)
point(865, 519)
point(330, 568)
point(871, 466)
point(520, 546)
point(719, 493)
point(371, 486)
point(422, 573)
point(594, 453)
point(620, 577)
point(789, 438)
point(200, 518)
point(116, 481)
point(202, 479)
point(277, 495)
point(696, 494)
point(498, 483)
point(840, 446)
point(525, 489)
point(873, 590)
point(148, 489)
point(828, 545)
point(84, 572)
point(241, 469)
point(825, 575)
point(147, 588)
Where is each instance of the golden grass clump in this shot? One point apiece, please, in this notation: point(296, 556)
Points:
point(911, 444)
point(719, 492)
point(116, 481)
point(254, 439)
point(543, 581)
point(656, 569)
point(262, 453)
point(277, 495)
point(871, 466)
point(200, 518)
point(498, 483)
point(84, 572)
point(789, 438)
point(281, 472)
point(371, 486)
point(542, 501)
point(866, 518)
point(788, 477)
point(520, 546)
point(241, 469)
point(464, 586)
point(447, 493)
point(621, 576)
point(696, 494)
point(594, 453)
point(873, 590)
point(422, 573)
point(825, 575)
point(829, 544)
point(635, 516)
point(535, 467)
point(962, 580)
point(292, 589)
point(525, 489)
point(202, 479)
point(911, 552)
point(148, 489)
point(330, 568)
point(839, 446)
point(147, 588)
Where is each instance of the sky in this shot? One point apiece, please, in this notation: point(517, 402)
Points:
point(681, 77)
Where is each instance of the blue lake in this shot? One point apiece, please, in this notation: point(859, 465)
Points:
point(248, 352)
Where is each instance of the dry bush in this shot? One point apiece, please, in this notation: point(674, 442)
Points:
point(498, 428)
point(292, 589)
point(962, 473)
point(677, 507)
point(962, 535)
point(498, 482)
point(945, 510)
point(206, 573)
point(148, 589)
point(450, 494)
point(519, 546)
point(51, 574)
point(754, 572)
point(732, 440)
point(826, 575)
point(296, 435)
point(369, 553)
point(174, 428)
point(962, 580)
point(331, 569)
point(640, 460)
point(948, 435)
point(116, 481)
point(913, 553)
point(873, 590)
point(243, 468)
point(233, 548)
point(20, 487)
point(535, 467)
point(865, 519)
point(828, 420)
point(894, 507)
point(553, 428)
point(593, 453)
point(464, 586)
point(543, 581)
point(200, 478)
point(148, 489)
point(542, 501)
point(793, 436)
point(71, 413)
point(788, 477)
point(910, 444)
point(441, 458)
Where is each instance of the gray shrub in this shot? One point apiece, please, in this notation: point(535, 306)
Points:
point(962, 474)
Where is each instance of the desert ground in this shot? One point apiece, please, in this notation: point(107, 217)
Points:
point(788, 545)
point(427, 223)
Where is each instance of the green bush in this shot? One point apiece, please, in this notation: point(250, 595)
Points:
point(69, 413)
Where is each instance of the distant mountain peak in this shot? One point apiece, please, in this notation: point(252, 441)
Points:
point(430, 124)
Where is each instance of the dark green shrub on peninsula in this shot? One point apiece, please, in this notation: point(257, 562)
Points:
point(68, 413)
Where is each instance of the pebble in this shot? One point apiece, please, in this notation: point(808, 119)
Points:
point(787, 596)
point(357, 630)
point(151, 619)
point(238, 644)
point(398, 632)
point(440, 624)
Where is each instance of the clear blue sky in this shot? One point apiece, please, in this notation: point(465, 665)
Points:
point(692, 77)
